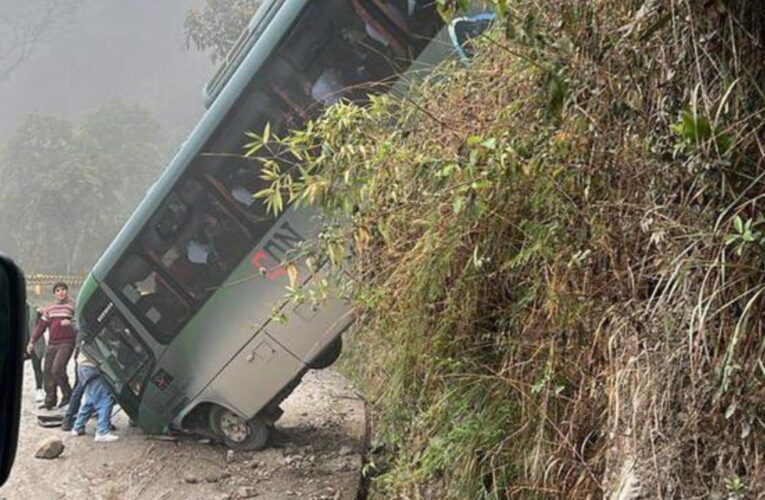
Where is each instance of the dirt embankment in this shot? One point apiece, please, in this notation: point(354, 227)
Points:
point(316, 453)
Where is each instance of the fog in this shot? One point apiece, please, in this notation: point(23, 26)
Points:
point(88, 121)
point(127, 49)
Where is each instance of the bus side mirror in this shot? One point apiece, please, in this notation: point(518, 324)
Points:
point(463, 30)
point(12, 325)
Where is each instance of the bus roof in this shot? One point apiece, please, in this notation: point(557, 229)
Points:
point(262, 46)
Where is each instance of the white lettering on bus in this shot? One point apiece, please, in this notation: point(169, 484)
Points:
point(274, 252)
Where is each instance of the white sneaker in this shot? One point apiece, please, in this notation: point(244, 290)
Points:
point(106, 438)
point(39, 396)
point(77, 433)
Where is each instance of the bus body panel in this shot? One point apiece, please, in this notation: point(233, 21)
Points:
point(88, 287)
point(309, 328)
point(253, 378)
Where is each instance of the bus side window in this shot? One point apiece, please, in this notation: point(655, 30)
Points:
point(97, 307)
point(307, 38)
point(290, 86)
point(210, 246)
point(253, 110)
point(238, 179)
point(165, 227)
point(345, 72)
point(343, 61)
point(150, 297)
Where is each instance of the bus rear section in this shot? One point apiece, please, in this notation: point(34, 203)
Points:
point(180, 312)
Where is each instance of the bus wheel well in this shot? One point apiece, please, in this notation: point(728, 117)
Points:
point(329, 355)
point(238, 433)
point(197, 419)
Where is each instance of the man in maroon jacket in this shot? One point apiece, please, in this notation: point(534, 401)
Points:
point(58, 319)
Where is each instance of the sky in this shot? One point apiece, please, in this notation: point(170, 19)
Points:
point(128, 49)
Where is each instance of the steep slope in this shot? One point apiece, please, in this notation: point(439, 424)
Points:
point(558, 256)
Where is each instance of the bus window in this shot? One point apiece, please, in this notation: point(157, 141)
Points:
point(346, 71)
point(238, 180)
point(307, 38)
point(94, 312)
point(253, 110)
point(161, 310)
point(165, 227)
point(206, 248)
point(123, 353)
point(342, 63)
point(290, 87)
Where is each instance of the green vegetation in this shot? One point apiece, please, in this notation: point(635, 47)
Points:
point(557, 256)
point(68, 188)
point(216, 27)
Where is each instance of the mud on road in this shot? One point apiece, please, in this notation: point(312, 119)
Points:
point(315, 453)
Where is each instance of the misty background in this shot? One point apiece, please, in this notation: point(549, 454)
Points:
point(133, 50)
point(96, 97)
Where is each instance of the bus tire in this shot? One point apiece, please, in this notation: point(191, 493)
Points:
point(329, 355)
point(238, 433)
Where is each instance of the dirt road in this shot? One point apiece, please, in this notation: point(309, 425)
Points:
point(315, 454)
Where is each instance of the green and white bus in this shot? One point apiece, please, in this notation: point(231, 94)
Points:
point(177, 311)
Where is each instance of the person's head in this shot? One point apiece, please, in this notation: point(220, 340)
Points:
point(60, 291)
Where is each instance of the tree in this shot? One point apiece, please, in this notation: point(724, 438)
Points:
point(125, 138)
point(217, 26)
point(69, 188)
point(25, 25)
point(46, 181)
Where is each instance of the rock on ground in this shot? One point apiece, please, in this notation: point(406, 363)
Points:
point(49, 448)
point(246, 492)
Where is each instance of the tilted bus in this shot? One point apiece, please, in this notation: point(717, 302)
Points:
point(177, 312)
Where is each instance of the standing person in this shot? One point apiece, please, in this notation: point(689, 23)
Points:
point(33, 316)
point(98, 400)
point(58, 318)
point(86, 372)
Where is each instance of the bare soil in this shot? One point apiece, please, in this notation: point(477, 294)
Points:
point(315, 453)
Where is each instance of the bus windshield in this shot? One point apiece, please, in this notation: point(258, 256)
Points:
point(116, 348)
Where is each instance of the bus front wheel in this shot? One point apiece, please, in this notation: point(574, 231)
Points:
point(238, 433)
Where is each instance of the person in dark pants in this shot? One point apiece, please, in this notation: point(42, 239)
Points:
point(33, 316)
point(36, 359)
point(58, 318)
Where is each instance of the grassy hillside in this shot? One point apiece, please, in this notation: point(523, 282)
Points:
point(558, 256)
